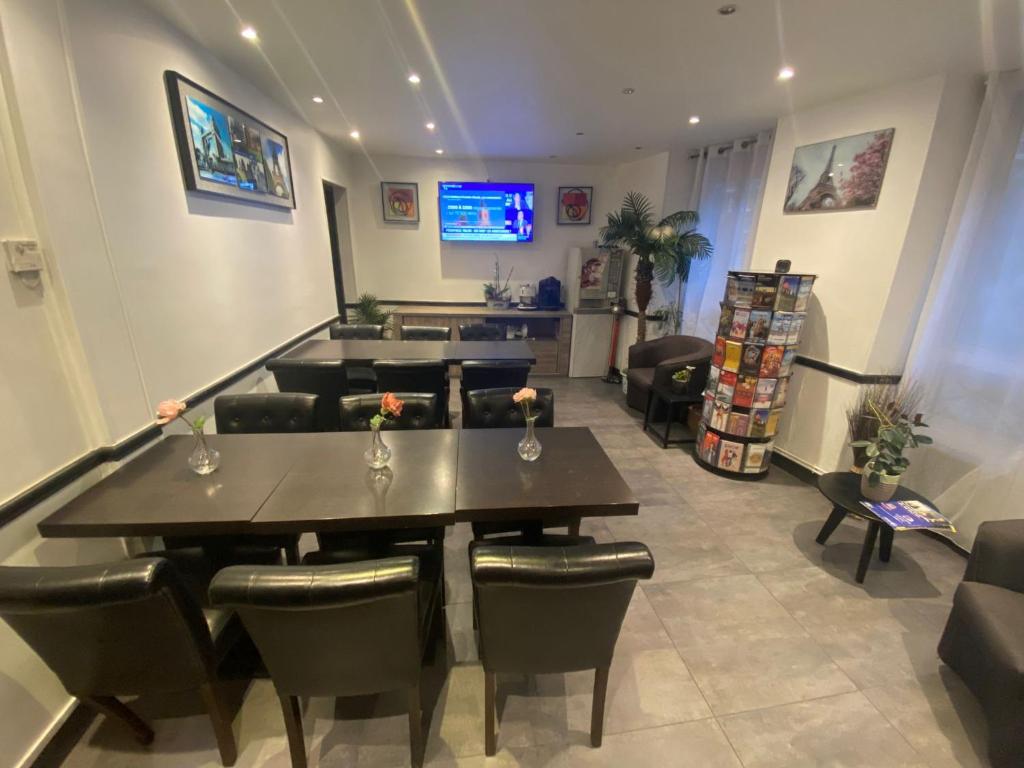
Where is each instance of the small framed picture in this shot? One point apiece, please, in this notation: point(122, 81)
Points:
point(574, 204)
point(401, 201)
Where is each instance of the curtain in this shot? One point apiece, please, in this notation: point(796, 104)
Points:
point(727, 194)
point(968, 352)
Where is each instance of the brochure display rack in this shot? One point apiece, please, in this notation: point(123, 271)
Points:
point(759, 330)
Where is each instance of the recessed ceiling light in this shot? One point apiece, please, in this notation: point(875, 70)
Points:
point(694, 119)
point(354, 134)
point(579, 133)
point(438, 151)
point(727, 10)
point(786, 73)
point(430, 126)
point(414, 79)
point(249, 33)
point(318, 99)
point(629, 91)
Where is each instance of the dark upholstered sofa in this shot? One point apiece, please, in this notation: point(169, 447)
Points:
point(653, 362)
point(984, 637)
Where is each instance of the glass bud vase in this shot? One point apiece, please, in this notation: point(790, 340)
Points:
point(377, 455)
point(529, 446)
point(204, 459)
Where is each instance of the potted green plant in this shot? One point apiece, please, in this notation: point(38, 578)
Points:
point(681, 379)
point(666, 247)
point(368, 311)
point(885, 460)
point(891, 399)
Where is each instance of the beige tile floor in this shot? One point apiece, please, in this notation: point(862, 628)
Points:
point(752, 646)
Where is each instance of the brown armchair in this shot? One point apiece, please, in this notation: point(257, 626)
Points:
point(653, 363)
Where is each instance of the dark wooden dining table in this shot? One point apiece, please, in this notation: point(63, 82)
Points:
point(298, 483)
point(327, 352)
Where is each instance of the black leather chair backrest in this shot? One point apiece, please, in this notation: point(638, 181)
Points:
point(115, 629)
point(356, 331)
point(425, 333)
point(419, 411)
point(496, 408)
point(328, 381)
point(269, 412)
point(553, 609)
point(491, 374)
point(480, 332)
point(330, 630)
point(415, 376)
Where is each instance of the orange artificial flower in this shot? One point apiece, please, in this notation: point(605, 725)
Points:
point(391, 404)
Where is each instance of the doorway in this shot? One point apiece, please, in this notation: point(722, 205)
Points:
point(336, 203)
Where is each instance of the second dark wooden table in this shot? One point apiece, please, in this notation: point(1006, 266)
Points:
point(342, 351)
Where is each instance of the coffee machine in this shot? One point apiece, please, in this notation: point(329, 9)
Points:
point(549, 293)
point(527, 296)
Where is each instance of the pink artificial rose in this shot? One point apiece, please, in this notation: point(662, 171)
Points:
point(169, 410)
point(391, 404)
point(526, 393)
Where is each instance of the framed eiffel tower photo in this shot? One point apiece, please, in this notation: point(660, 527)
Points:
point(839, 175)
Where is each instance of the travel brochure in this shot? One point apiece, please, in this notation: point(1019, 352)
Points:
point(763, 316)
point(908, 515)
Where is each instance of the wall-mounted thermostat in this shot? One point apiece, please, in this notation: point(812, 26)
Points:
point(23, 256)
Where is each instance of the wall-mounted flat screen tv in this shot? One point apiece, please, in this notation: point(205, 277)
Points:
point(485, 212)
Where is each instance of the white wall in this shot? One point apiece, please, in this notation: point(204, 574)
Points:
point(149, 293)
point(874, 266)
point(409, 261)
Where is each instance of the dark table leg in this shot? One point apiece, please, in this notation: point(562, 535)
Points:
point(647, 410)
point(885, 546)
point(671, 408)
point(834, 519)
point(869, 547)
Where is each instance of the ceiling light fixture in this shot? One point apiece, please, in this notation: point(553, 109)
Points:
point(694, 119)
point(414, 79)
point(354, 135)
point(629, 91)
point(430, 126)
point(786, 73)
point(727, 10)
point(249, 33)
point(318, 99)
point(438, 151)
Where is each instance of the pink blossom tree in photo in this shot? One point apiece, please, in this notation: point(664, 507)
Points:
point(863, 184)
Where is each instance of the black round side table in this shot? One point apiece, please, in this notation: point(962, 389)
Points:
point(843, 490)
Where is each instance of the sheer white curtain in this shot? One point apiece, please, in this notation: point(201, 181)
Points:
point(969, 349)
point(727, 195)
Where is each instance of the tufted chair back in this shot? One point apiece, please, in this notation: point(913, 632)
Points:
point(356, 331)
point(419, 411)
point(495, 408)
point(415, 376)
point(328, 380)
point(269, 412)
point(480, 332)
point(425, 333)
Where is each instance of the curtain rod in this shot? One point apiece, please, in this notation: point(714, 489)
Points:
point(726, 148)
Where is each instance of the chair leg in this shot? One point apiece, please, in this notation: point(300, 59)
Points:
point(221, 722)
point(415, 727)
point(293, 728)
point(112, 707)
point(597, 710)
point(490, 737)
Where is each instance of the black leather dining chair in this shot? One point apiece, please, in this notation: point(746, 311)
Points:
point(480, 332)
point(548, 610)
point(493, 374)
point(123, 629)
point(325, 379)
point(419, 411)
point(425, 333)
point(416, 376)
point(270, 412)
point(337, 630)
point(360, 378)
point(489, 408)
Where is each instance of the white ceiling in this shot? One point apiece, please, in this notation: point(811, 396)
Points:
point(519, 78)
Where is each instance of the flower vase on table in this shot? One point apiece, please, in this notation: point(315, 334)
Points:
point(203, 460)
point(378, 454)
point(529, 447)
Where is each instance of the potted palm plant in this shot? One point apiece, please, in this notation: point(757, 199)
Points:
point(666, 246)
point(885, 460)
